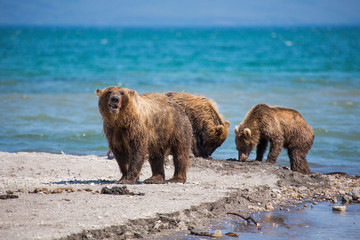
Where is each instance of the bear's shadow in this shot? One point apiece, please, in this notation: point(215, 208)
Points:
point(99, 181)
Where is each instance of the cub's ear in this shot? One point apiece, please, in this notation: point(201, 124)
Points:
point(132, 92)
point(98, 92)
point(247, 132)
point(237, 130)
point(226, 124)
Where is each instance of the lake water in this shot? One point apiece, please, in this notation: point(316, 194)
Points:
point(48, 77)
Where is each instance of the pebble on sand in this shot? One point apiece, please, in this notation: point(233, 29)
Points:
point(339, 208)
point(269, 207)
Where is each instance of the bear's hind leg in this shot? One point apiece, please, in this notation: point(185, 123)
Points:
point(298, 161)
point(181, 163)
point(157, 169)
point(275, 150)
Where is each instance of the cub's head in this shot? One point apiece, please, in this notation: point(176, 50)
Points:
point(113, 99)
point(244, 142)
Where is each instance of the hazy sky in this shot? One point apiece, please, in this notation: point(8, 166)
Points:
point(179, 13)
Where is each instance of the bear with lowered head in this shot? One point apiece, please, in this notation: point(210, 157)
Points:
point(210, 130)
point(283, 128)
point(137, 126)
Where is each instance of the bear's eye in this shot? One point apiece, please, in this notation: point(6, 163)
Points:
point(108, 93)
point(122, 93)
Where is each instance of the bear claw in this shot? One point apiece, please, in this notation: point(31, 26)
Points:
point(176, 180)
point(126, 181)
point(154, 181)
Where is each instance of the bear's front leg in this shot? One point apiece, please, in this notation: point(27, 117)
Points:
point(275, 150)
point(122, 160)
point(137, 159)
point(157, 161)
point(260, 149)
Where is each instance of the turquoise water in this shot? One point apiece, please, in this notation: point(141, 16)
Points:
point(48, 77)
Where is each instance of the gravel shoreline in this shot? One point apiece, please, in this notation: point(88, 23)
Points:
point(59, 196)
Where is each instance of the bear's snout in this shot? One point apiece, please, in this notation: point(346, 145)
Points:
point(114, 104)
point(114, 99)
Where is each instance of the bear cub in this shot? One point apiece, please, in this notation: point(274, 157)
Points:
point(283, 128)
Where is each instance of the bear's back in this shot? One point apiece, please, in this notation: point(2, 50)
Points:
point(199, 109)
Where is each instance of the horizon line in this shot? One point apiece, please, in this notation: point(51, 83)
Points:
point(183, 25)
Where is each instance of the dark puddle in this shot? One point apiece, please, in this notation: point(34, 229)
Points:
point(319, 222)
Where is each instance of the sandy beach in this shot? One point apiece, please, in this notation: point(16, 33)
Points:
point(58, 196)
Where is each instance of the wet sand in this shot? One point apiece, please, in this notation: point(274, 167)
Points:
point(59, 196)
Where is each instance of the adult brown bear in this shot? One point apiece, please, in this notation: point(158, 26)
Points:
point(282, 127)
point(209, 128)
point(140, 125)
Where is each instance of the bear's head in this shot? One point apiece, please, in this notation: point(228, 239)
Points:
point(214, 138)
point(244, 142)
point(113, 100)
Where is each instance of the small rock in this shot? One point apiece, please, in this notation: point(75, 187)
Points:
point(57, 190)
point(269, 206)
point(231, 234)
point(346, 199)
point(217, 233)
point(70, 189)
point(356, 195)
point(339, 208)
point(9, 192)
point(137, 235)
point(275, 190)
point(119, 191)
point(306, 206)
point(8, 196)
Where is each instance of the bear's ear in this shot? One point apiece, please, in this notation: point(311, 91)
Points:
point(247, 132)
point(219, 129)
point(226, 124)
point(98, 92)
point(132, 92)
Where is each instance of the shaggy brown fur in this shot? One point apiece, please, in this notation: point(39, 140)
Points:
point(149, 124)
point(209, 129)
point(282, 127)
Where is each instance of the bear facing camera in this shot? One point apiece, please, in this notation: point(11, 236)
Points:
point(137, 126)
